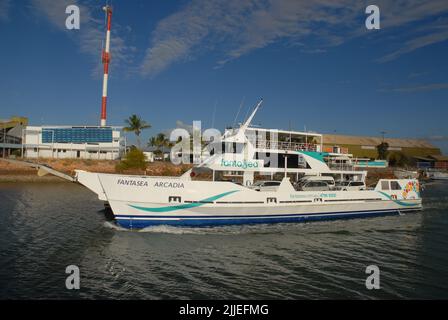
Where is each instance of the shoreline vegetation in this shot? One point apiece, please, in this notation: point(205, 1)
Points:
point(13, 172)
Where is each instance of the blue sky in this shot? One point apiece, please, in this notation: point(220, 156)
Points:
point(314, 63)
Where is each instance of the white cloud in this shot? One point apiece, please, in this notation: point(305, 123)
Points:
point(5, 6)
point(436, 35)
point(234, 28)
point(91, 34)
point(418, 88)
point(237, 27)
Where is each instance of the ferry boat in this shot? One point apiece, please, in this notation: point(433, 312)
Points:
point(233, 193)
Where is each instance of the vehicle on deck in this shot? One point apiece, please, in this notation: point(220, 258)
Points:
point(329, 181)
point(315, 186)
point(352, 186)
point(265, 185)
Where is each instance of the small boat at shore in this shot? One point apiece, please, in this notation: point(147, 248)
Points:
point(229, 197)
point(438, 175)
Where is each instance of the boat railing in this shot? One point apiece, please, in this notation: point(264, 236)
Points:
point(341, 167)
point(284, 145)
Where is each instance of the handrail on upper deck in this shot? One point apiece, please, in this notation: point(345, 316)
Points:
point(284, 145)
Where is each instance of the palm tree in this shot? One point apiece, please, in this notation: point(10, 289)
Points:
point(136, 124)
point(159, 142)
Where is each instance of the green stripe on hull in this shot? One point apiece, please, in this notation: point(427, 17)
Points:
point(401, 203)
point(184, 206)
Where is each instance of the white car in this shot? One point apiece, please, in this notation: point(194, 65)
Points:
point(315, 186)
point(265, 185)
point(352, 186)
point(329, 181)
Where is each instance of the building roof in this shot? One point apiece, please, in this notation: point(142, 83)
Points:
point(73, 127)
point(426, 159)
point(439, 157)
point(334, 139)
point(12, 122)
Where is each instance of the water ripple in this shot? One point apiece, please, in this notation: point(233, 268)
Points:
point(42, 234)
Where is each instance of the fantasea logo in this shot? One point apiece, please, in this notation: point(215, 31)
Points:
point(136, 183)
point(239, 164)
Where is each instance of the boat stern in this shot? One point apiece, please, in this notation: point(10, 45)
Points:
point(403, 192)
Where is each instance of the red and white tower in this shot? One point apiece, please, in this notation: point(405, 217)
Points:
point(106, 60)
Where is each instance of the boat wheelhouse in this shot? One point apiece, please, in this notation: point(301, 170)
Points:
point(247, 154)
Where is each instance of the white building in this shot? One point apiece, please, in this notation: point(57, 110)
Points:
point(71, 142)
point(149, 156)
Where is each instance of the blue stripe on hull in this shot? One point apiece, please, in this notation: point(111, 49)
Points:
point(208, 222)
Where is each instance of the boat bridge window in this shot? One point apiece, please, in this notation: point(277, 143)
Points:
point(225, 147)
point(294, 161)
point(394, 185)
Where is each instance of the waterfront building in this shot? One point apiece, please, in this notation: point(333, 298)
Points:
point(11, 135)
point(365, 147)
point(72, 142)
point(439, 162)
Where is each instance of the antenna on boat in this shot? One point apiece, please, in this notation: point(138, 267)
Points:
point(238, 113)
point(249, 120)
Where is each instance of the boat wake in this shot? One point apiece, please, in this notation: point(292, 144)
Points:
point(114, 226)
point(166, 229)
point(217, 230)
point(176, 230)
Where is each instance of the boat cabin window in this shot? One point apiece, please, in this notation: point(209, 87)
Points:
point(394, 185)
point(232, 147)
point(384, 185)
point(225, 147)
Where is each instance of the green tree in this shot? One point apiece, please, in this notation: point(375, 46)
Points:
point(382, 149)
point(159, 142)
point(134, 159)
point(398, 159)
point(136, 124)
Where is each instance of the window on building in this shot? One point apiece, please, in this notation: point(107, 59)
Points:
point(76, 135)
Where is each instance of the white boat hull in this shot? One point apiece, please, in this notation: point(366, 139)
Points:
point(139, 202)
point(439, 176)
